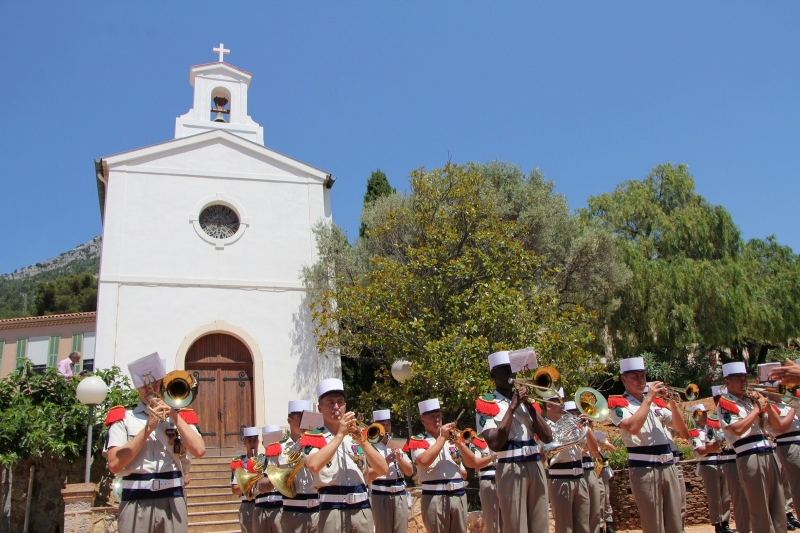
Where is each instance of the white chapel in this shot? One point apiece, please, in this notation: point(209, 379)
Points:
point(204, 237)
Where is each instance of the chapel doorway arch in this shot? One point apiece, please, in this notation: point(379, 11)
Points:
point(223, 366)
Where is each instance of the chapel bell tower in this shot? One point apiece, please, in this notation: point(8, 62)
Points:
point(220, 101)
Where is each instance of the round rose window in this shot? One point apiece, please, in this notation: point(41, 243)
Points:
point(219, 221)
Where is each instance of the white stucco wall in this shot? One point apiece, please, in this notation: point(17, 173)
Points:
point(160, 281)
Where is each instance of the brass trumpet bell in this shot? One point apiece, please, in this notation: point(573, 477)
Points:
point(376, 433)
point(178, 389)
point(592, 404)
point(467, 435)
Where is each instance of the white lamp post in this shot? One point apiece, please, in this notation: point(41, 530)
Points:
point(401, 371)
point(91, 391)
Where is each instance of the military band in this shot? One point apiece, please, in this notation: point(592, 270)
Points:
point(331, 479)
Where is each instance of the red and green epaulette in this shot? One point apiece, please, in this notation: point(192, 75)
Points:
point(617, 401)
point(188, 415)
point(694, 433)
point(537, 407)
point(660, 403)
point(479, 442)
point(115, 414)
point(713, 421)
point(726, 403)
point(486, 405)
point(236, 462)
point(251, 463)
point(418, 442)
point(313, 438)
point(274, 449)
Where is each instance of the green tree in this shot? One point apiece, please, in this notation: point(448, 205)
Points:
point(72, 294)
point(377, 187)
point(688, 282)
point(442, 278)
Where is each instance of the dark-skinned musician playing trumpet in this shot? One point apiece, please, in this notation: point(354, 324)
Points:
point(512, 427)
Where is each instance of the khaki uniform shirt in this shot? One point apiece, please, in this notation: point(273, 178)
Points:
point(521, 424)
point(444, 466)
point(304, 480)
point(342, 470)
point(727, 418)
point(154, 457)
point(394, 468)
point(654, 430)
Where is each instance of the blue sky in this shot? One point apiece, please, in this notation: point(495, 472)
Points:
point(593, 93)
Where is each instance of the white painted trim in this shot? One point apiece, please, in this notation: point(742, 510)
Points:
point(216, 134)
point(277, 286)
point(219, 199)
point(220, 326)
point(272, 178)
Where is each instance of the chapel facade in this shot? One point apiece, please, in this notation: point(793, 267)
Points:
point(204, 239)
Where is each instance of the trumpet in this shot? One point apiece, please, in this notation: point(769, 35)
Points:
point(373, 433)
point(467, 435)
point(691, 392)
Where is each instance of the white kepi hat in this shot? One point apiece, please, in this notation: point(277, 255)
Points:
point(146, 370)
point(426, 406)
point(570, 406)
point(715, 390)
point(298, 406)
point(381, 415)
point(737, 367)
point(698, 407)
point(631, 364)
point(329, 385)
point(559, 395)
point(271, 433)
point(499, 358)
point(250, 432)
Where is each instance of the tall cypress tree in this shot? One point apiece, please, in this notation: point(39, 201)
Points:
point(377, 186)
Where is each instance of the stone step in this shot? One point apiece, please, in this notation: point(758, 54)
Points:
point(204, 481)
point(208, 516)
point(215, 460)
point(211, 497)
point(216, 526)
point(192, 490)
point(210, 468)
point(216, 505)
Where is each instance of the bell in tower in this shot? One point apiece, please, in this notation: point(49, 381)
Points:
point(219, 108)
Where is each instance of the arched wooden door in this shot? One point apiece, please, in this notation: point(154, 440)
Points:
point(223, 367)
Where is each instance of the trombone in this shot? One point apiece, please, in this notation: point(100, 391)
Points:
point(545, 384)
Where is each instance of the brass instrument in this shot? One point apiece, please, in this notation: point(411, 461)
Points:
point(178, 390)
point(691, 392)
point(248, 481)
point(568, 432)
point(545, 384)
point(467, 435)
point(599, 464)
point(375, 433)
point(592, 404)
point(283, 478)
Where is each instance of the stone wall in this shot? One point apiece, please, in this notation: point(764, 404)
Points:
point(50, 476)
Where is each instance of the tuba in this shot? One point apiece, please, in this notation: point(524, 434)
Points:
point(568, 432)
point(248, 481)
point(283, 478)
point(592, 404)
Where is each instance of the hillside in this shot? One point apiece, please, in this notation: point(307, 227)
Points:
point(18, 289)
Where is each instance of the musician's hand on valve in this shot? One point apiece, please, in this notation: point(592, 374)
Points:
point(657, 388)
point(447, 430)
point(520, 395)
point(762, 403)
point(344, 424)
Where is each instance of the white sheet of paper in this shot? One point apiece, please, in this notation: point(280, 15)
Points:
point(149, 365)
point(764, 371)
point(311, 420)
point(522, 359)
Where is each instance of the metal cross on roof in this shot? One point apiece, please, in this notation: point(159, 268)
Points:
point(221, 51)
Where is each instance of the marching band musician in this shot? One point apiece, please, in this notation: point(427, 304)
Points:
point(727, 458)
point(743, 418)
point(707, 449)
point(301, 513)
point(643, 421)
point(245, 461)
point(388, 494)
point(148, 460)
point(510, 424)
point(606, 475)
point(485, 470)
point(269, 502)
point(597, 490)
point(339, 457)
point(787, 449)
point(438, 459)
point(568, 489)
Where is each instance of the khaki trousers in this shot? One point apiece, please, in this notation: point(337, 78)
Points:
point(159, 515)
point(719, 500)
point(390, 512)
point(294, 522)
point(267, 520)
point(741, 509)
point(490, 507)
point(597, 500)
point(442, 513)
point(682, 486)
point(247, 516)
point(607, 510)
point(569, 501)
point(789, 456)
point(522, 488)
point(762, 484)
point(345, 521)
point(657, 492)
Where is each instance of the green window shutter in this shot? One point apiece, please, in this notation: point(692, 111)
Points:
point(22, 350)
point(2, 346)
point(77, 346)
point(52, 350)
